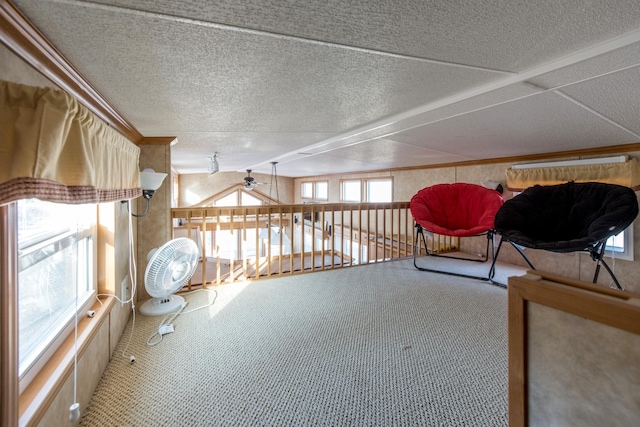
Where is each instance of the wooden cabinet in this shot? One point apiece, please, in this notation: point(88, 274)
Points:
point(574, 352)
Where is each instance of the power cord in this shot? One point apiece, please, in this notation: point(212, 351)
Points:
point(166, 325)
point(132, 277)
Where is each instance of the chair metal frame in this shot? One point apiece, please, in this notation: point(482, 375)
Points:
point(420, 236)
point(595, 250)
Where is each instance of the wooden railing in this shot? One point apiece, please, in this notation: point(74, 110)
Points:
point(251, 242)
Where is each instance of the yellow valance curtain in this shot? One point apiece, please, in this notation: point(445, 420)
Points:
point(627, 174)
point(53, 148)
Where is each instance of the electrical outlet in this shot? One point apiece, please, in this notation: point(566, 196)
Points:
point(124, 290)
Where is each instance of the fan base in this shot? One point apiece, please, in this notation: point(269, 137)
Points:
point(158, 306)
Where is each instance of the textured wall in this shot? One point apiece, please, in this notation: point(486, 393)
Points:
point(154, 229)
point(13, 69)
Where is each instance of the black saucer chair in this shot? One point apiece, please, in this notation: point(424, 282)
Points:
point(457, 210)
point(571, 217)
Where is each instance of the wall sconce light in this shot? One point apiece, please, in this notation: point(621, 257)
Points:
point(150, 181)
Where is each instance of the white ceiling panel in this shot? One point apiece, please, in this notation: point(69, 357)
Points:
point(616, 96)
point(387, 153)
point(538, 124)
point(308, 165)
point(390, 128)
point(487, 33)
point(240, 81)
point(236, 151)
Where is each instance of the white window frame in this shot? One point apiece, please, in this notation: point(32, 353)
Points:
point(367, 182)
point(303, 193)
point(313, 192)
point(342, 190)
point(364, 189)
point(625, 254)
point(66, 326)
point(316, 192)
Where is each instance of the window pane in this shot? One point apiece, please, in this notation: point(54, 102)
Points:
point(307, 190)
point(228, 200)
point(55, 260)
point(351, 191)
point(616, 243)
point(322, 190)
point(379, 191)
point(249, 200)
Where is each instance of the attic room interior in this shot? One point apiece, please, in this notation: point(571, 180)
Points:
point(290, 140)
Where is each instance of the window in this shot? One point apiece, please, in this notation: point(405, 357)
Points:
point(56, 258)
point(238, 198)
point(307, 190)
point(621, 245)
point(322, 190)
point(351, 190)
point(315, 190)
point(247, 199)
point(379, 191)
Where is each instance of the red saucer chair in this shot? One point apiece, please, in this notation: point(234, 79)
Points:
point(457, 210)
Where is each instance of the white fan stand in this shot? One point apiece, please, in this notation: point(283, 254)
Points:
point(158, 306)
point(169, 268)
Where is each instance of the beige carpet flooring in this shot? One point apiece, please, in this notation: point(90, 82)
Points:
point(375, 345)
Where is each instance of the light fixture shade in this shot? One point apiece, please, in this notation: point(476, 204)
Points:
point(151, 180)
point(214, 167)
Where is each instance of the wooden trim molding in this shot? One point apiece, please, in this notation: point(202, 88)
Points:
point(9, 386)
point(158, 140)
point(23, 38)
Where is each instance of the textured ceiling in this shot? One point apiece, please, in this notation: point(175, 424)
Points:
point(343, 86)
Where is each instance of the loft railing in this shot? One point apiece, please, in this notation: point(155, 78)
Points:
point(251, 242)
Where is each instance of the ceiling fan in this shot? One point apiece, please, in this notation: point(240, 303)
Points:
point(250, 183)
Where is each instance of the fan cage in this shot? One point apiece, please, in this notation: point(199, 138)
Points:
point(171, 266)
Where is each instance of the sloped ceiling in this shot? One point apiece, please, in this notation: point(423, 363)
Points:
point(344, 86)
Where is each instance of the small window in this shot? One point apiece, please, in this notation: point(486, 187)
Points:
point(322, 190)
point(379, 191)
point(621, 245)
point(351, 191)
point(307, 190)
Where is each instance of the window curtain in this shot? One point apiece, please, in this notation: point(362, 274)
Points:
point(54, 149)
point(627, 174)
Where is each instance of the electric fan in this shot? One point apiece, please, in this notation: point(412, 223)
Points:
point(169, 268)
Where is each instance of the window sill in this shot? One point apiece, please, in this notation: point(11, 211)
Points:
point(38, 396)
